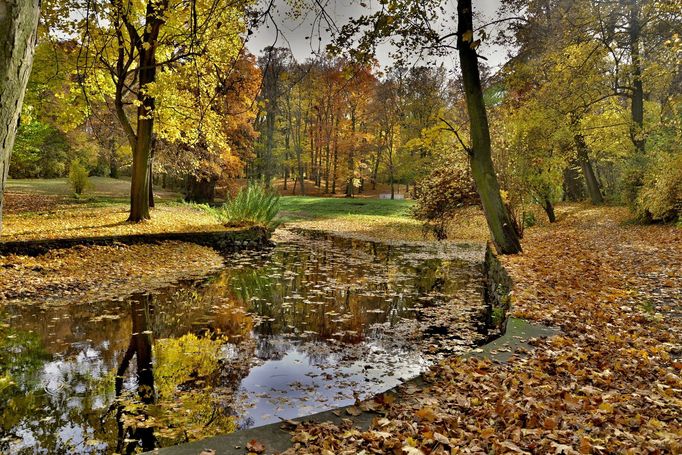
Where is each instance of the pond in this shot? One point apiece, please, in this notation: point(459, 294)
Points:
point(311, 324)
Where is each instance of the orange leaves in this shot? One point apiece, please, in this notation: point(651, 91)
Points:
point(254, 446)
point(426, 414)
point(609, 384)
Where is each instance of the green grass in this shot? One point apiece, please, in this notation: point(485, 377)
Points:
point(102, 188)
point(306, 207)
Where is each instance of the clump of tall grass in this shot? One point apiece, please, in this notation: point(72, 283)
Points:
point(254, 204)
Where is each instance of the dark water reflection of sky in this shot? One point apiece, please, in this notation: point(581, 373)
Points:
point(307, 326)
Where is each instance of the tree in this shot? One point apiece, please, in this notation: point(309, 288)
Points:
point(502, 227)
point(18, 28)
point(162, 62)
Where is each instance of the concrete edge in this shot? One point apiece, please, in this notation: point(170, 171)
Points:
point(253, 237)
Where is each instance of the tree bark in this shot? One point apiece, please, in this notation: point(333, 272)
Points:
point(351, 158)
point(637, 97)
point(151, 174)
point(573, 185)
point(502, 229)
point(548, 207)
point(18, 25)
point(590, 177)
point(139, 186)
point(200, 190)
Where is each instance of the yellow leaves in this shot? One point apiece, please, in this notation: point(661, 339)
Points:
point(79, 273)
point(426, 414)
point(83, 221)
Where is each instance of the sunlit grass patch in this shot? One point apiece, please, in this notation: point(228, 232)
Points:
point(302, 207)
point(97, 220)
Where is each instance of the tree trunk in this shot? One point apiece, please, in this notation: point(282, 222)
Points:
point(139, 186)
point(574, 189)
point(351, 159)
point(502, 229)
point(151, 174)
point(375, 170)
point(588, 171)
point(548, 207)
point(637, 97)
point(113, 162)
point(200, 190)
point(18, 24)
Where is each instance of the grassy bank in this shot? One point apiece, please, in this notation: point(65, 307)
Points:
point(383, 219)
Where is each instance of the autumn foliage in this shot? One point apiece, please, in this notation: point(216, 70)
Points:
point(441, 194)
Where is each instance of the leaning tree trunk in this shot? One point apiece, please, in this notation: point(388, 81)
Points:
point(588, 172)
point(18, 25)
point(548, 207)
point(503, 230)
point(573, 187)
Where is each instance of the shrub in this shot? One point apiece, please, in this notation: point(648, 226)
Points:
point(438, 195)
point(660, 196)
point(78, 177)
point(253, 205)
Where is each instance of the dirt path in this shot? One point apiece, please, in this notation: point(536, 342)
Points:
point(611, 383)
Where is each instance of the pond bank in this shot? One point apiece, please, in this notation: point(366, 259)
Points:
point(508, 337)
point(74, 269)
point(609, 383)
point(277, 437)
point(222, 240)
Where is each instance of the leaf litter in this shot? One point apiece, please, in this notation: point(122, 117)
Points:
point(609, 384)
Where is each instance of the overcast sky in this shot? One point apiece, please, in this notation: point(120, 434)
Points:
point(294, 33)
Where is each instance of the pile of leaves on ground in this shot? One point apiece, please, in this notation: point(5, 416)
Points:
point(96, 273)
point(16, 202)
point(610, 383)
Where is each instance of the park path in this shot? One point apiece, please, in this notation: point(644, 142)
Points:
point(610, 383)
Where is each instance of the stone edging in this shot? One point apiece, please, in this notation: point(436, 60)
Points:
point(253, 237)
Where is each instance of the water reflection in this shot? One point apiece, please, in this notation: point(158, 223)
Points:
point(297, 329)
point(140, 347)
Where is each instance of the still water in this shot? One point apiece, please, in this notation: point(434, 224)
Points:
point(311, 324)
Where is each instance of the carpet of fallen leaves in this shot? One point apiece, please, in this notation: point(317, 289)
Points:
point(96, 273)
point(16, 202)
point(75, 220)
point(610, 383)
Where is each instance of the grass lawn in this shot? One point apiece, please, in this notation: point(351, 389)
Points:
point(46, 208)
point(374, 218)
point(101, 187)
point(306, 207)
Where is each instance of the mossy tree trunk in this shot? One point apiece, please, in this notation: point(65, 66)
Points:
point(502, 228)
point(18, 25)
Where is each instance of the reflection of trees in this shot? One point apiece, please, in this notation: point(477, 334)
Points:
point(346, 291)
point(21, 356)
point(141, 347)
point(187, 392)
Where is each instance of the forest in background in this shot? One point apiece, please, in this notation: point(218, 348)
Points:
point(587, 107)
